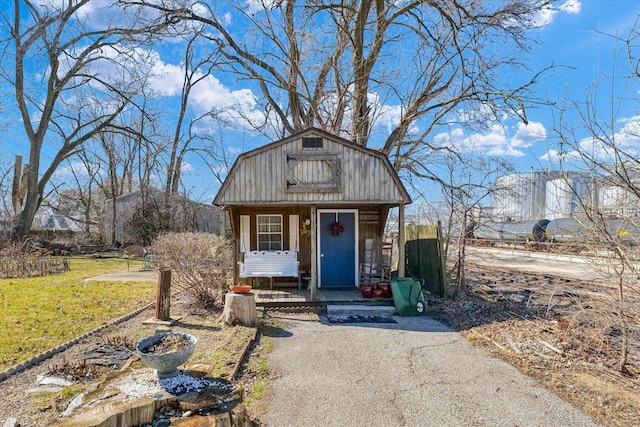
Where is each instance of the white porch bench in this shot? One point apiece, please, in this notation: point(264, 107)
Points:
point(270, 264)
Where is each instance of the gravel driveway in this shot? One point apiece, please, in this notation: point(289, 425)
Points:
point(415, 372)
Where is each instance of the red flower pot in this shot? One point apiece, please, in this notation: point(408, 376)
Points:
point(386, 289)
point(367, 291)
point(378, 293)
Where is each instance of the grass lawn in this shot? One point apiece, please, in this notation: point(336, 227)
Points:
point(39, 313)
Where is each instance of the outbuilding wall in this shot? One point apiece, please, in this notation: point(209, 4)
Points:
point(286, 172)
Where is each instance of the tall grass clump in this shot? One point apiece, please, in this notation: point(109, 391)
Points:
point(202, 264)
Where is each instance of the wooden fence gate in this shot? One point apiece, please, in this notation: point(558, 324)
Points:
point(425, 257)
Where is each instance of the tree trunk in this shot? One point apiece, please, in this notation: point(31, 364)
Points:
point(22, 227)
point(239, 309)
point(624, 347)
point(18, 190)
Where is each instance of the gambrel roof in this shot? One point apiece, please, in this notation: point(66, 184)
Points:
point(312, 167)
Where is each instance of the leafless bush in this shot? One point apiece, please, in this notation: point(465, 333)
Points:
point(77, 370)
point(202, 264)
point(118, 342)
point(595, 335)
point(15, 262)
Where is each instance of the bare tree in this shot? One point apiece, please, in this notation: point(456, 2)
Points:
point(71, 79)
point(596, 145)
point(466, 187)
point(197, 68)
point(216, 154)
point(5, 193)
point(130, 158)
point(341, 65)
point(80, 198)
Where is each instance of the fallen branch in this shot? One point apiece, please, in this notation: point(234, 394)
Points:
point(513, 344)
point(552, 348)
point(501, 347)
point(545, 356)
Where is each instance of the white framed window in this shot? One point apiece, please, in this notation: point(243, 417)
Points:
point(269, 232)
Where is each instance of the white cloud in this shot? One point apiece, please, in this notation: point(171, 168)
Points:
point(629, 135)
point(557, 156)
point(67, 171)
point(100, 14)
point(85, 10)
point(167, 78)
point(208, 94)
point(201, 10)
point(602, 147)
point(548, 13)
point(388, 116)
point(571, 6)
point(127, 67)
point(74, 169)
point(120, 65)
point(495, 142)
point(526, 135)
point(95, 10)
point(187, 167)
point(255, 6)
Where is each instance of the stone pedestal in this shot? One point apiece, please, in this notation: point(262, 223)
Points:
point(240, 309)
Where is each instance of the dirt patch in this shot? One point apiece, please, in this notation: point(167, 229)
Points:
point(573, 353)
point(167, 344)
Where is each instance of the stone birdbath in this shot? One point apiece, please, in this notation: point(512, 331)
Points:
point(166, 351)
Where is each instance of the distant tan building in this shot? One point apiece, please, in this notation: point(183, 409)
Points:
point(188, 215)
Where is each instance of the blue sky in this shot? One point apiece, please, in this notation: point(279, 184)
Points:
point(572, 37)
point(579, 39)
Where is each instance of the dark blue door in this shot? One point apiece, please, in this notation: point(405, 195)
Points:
point(337, 249)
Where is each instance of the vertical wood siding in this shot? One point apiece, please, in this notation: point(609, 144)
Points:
point(261, 177)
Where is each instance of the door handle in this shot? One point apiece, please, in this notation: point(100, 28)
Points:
point(321, 255)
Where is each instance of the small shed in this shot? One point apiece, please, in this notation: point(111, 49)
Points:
point(320, 196)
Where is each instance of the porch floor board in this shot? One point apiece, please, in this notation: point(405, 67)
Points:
point(288, 296)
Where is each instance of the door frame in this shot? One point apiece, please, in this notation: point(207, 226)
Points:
point(355, 237)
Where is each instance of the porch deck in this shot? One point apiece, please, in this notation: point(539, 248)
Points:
point(292, 296)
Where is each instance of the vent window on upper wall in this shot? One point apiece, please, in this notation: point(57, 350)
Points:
point(312, 143)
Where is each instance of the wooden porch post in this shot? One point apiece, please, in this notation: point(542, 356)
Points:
point(401, 255)
point(313, 283)
point(234, 229)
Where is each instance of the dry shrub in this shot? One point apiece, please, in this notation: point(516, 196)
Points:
point(118, 342)
point(588, 336)
point(76, 370)
point(202, 264)
point(16, 262)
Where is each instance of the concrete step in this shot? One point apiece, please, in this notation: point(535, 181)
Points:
point(362, 310)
